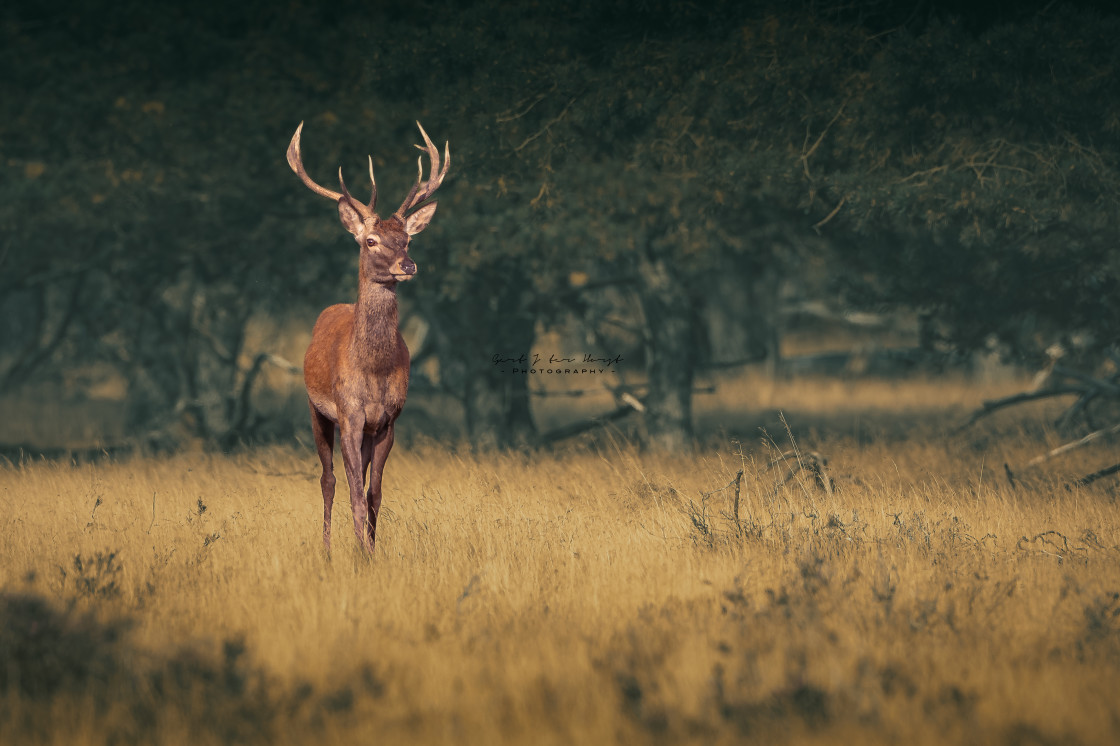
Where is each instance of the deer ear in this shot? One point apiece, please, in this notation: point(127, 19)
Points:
point(349, 215)
point(419, 220)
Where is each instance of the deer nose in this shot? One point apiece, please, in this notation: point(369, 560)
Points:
point(408, 266)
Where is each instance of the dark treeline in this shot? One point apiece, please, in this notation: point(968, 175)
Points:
point(635, 160)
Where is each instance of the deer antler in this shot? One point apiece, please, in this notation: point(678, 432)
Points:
point(422, 190)
point(295, 160)
point(346, 192)
point(373, 184)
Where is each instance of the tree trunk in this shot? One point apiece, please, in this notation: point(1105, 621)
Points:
point(495, 400)
point(741, 316)
point(497, 410)
point(671, 333)
point(519, 427)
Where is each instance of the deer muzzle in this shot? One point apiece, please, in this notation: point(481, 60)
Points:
point(405, 269)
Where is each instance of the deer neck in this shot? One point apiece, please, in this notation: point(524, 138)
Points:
point(374, 339)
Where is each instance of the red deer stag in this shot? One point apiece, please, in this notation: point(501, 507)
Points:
point(356, 367)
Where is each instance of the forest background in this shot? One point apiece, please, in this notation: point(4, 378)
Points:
point(675, 183)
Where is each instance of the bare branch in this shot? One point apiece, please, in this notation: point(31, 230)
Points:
point(1076, 408)
point(545, 128)
point(927, 172)
point(820, 138)
point(1103, 386)
point(576, 428)
point(831, 215)
point(509, 116)
point(1100, 474)
point(1096, 435)
point(995, 405)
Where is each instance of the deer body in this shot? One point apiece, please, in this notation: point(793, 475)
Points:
point(356, 367)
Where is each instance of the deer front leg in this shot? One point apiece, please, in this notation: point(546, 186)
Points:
point(323, 430)
point(380, 448)
point(367, 455)
point(351, 445)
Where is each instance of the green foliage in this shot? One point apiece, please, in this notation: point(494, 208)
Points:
point(983, 171)
point(966, 169)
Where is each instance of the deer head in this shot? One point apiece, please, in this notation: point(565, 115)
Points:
point(383, 242)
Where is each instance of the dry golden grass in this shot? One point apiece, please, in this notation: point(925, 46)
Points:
point(594, 594)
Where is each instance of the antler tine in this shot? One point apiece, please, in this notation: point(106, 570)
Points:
point(345, 191)
point(295, 160)
point(410, 198)
point(433, 151)
point(373, 185)
point(422, 190)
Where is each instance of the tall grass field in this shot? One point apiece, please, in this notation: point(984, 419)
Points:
point(591, 593)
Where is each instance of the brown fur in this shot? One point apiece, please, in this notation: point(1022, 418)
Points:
point(356, 367)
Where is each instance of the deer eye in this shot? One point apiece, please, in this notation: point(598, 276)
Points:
point(371, 242)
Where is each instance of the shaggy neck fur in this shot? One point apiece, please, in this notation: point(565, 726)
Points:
point(375, 325)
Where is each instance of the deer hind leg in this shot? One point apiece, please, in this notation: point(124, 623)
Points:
point(323, 430)
point(351, 446)
point(379, 452)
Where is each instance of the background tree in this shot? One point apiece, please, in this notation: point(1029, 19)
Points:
point(983, 167)
point(609, 161)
